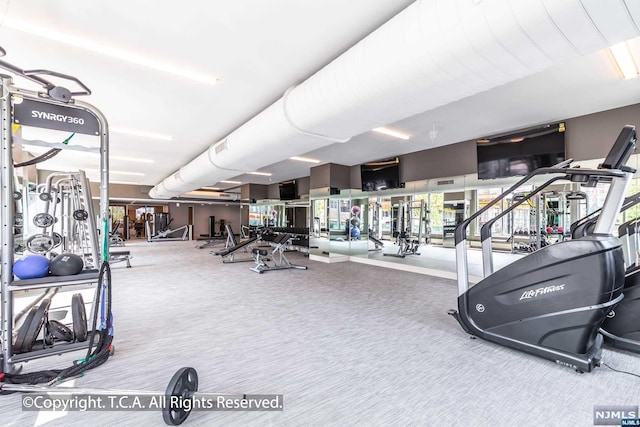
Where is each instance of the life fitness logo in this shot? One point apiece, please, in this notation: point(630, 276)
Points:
point(535, 293)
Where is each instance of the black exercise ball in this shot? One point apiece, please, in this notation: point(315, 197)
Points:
point(66, 264)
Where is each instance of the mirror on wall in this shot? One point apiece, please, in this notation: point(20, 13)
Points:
point(359, 227)
point(339, 216)
point(319, 230)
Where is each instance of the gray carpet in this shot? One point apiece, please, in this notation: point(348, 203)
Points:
point(346, 344)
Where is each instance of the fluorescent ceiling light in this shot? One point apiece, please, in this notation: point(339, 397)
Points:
point(210, 188)
point(260, 173)
point(116, 182)
point(131, 159)
point(392, 132)
point(113, 52)
point(141, 133)
point(231, 182)
point(118, 172)
point(624, 60)
point(304, 159)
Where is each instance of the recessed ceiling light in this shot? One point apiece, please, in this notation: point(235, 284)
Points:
point(260, 173)
point(131, 159)
point(304, 159)
point(144, 134)
point(392, 132)
point(113, 52)
point(624, 60)
point(231, 182)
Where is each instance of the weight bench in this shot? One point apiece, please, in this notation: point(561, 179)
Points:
point(116, 256)
point(280, 261)
point(229, 255)
point(120, 256)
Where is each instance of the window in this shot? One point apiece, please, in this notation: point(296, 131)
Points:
point(436, 208)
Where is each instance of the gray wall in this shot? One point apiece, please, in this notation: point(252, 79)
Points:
point(450, 160)
point(340, 176)
point(303, 185)
point(320, 176)
point(354, 176)
point(254, 191)
point(273, 192)
point(230, 213)
point(591, 136)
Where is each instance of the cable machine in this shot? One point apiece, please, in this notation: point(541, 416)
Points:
point(54, 108)
point(410, 223)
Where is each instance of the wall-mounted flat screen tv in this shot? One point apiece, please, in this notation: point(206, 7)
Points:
point(521, 152)
point(288, 190)
point(381, 175)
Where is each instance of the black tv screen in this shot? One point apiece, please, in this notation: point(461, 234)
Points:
point(288, 190)
point(520, 153)
point(380, 175)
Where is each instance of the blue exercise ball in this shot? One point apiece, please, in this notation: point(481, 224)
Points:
point(31, 267)
point(355, 233)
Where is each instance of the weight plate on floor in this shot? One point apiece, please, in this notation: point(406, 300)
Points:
point(43, 220)
point(79, 314)
point(80, 215)
point(45, 197)
point(60, 331)
point(34, 326)
point(40, 243)
point(183, 384)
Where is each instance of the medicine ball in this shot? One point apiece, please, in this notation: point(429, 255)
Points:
point(355, 221)
point(66, 264)
point(355, 233)
point(31, 267)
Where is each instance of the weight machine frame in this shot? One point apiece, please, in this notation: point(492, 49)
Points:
point(59, 99)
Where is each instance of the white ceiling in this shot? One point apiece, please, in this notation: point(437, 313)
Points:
point(258, 49)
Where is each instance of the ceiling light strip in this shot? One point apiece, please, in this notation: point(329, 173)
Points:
point(624, 60)
point(105, 50)
point(145, 134)
point(131, 159)
point(392, 132)
point(304, 159)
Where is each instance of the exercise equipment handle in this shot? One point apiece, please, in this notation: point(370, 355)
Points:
point(20, 72)
point(568, 173)
point(85, 91)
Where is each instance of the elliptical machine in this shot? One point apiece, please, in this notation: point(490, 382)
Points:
point(552, 302)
